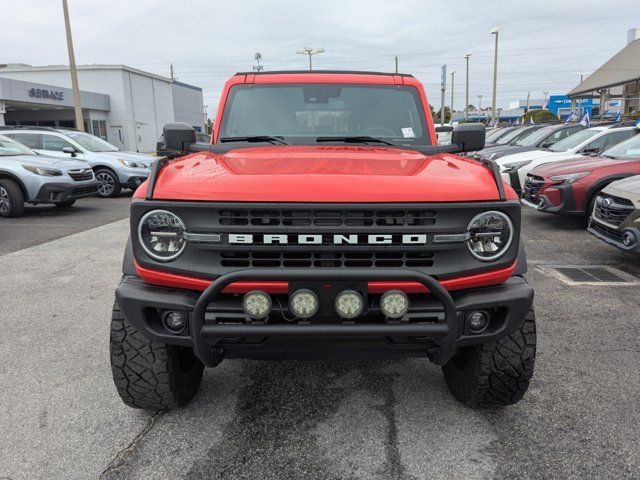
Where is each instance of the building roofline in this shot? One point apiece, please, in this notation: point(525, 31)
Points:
point(125, 68)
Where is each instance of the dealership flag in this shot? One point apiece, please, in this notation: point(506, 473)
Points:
point(618, 117)
point(531, 122)
point(569, 118)
point(638, 123)
point(585, 120)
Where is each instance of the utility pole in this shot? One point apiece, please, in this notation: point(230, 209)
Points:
point(396, 64)
point(453, 72)
point(171, 72)
point(544, 105)
point(495, 32)
point(443, 87)
point(77, 105)
point(479, 105)
point(310, 51)
point(466, 96)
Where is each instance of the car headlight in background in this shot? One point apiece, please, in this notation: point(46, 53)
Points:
point(133, 164)
point(490, 234)
point(45, 172)
point(510, 167)
point(569, 178)
point(162, 235)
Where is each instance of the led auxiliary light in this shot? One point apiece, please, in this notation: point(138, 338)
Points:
point(349, 304)
point(256, 304)
point(394, 304)
point(303, 303)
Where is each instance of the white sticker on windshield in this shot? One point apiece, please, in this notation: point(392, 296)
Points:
point(407, 132)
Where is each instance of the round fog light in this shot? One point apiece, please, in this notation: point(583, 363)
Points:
point(628, 239)
point(303, 303)
point(394, 304)
point(477, 321)
point(256, 304)
point(175, 321)
point(349, 304)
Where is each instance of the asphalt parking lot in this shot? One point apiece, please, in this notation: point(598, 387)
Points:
point(60, 416)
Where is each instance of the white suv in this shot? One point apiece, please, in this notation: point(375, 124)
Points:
point(114, 168)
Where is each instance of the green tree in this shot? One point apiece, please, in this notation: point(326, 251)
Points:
point(540, 116)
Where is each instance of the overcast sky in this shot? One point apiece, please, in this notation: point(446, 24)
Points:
point(542, 43)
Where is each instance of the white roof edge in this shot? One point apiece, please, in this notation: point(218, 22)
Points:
point(87, 67)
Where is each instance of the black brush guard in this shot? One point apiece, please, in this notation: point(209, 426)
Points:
point(443, 332)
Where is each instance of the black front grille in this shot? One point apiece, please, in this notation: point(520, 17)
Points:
point(532, 186)
point(611, 233)
point(262, 259)
point(81, 175)
point(84, 191)
point(327, 218)
point(613, 210)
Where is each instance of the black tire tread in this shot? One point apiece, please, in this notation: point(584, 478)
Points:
point(498, 373)
point(146, 374)
point(117, 187)
point(16, 197)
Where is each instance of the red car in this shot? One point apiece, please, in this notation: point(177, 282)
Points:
point(321, 221)
point(570, 187)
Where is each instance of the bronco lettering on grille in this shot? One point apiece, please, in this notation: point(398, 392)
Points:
point(318, 239)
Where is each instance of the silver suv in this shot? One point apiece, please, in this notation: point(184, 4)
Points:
point(28, 177)
point(114, 168)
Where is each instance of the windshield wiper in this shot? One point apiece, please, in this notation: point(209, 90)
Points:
point(255, 139)
point(355, 139)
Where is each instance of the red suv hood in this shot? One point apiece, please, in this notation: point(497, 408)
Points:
point(323, 174)
point(579, 164)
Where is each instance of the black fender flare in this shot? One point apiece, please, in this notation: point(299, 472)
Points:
point(521, 266)
point(13, 176)
point(128, 265)
point(601, 183)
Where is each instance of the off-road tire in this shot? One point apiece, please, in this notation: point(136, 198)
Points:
point(151, 375)
point(494, 374)
point(12, 197)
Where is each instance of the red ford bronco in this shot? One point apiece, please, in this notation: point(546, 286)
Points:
point(323, 221)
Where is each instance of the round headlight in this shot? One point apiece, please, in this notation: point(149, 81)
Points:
point(161, 235)
point(491, 234)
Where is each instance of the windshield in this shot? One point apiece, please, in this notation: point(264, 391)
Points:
point(574, 140)
point(9, 148)
point(509, 137)
point(497, 133)
point(300, 113)
point(91, 143)
point(627, 149)
point(536, 137)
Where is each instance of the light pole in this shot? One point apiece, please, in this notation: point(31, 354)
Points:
point(466, 96)
point(479, 106)
point(77, 105)
point(310, 51)
point(495, 32)
point(453, 73)
point(544, 105)
point(257, 57)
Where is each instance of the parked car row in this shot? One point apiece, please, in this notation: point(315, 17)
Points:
point(59, 166)
point(603, 187)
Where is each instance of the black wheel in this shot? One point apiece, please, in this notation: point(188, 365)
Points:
point(66, 204)
point(151, 375)
point(108, 183)
point(494, 374)
point(11, 198)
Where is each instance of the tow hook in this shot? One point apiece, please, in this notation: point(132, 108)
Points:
point(432, 351)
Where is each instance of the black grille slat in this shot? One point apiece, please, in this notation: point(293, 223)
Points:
point(532, 186)
point(261, 259)
point(81, 175)
point(613, 210)
point(78, 191)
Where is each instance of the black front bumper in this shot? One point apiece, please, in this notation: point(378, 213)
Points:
point(435, 325)
point(63, 192)
point(567, 205)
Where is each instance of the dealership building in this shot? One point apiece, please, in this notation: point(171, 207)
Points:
point(123, 105)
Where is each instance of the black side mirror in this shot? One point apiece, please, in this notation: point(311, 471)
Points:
point(178, 137)
point(70, 150)
point(591, 151)
point(469, 137)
